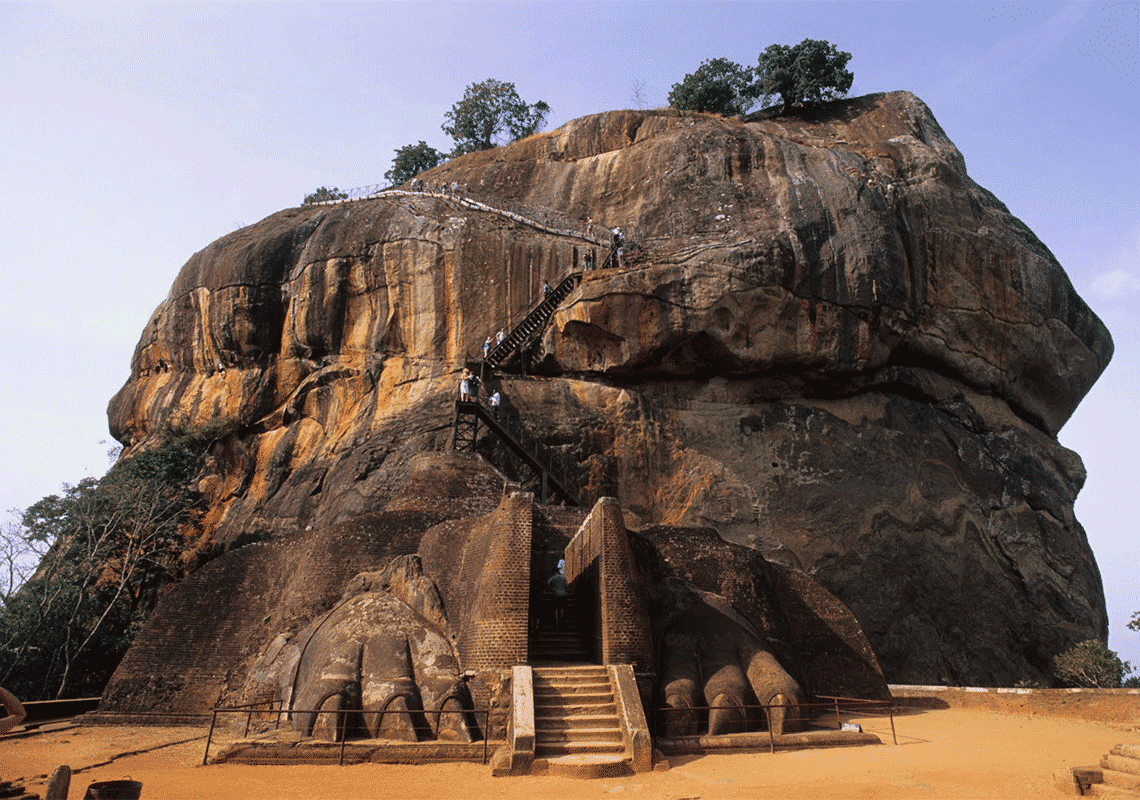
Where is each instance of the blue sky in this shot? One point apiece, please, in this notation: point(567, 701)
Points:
point(133, 135)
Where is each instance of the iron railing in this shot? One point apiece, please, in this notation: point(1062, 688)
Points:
point(840, 706)
point(277, 708)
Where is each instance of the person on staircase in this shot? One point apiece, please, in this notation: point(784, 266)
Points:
point(486, 348)
point(465, 388)
point(546, 290)
point(560, 590)
point(496, 398)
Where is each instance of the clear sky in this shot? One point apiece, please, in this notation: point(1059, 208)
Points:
point(133, 135)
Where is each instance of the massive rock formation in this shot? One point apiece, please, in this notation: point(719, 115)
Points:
point(828, 343)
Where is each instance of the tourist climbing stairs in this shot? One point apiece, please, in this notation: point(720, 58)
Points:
point(534, 322)
point(575, 714)
point(465, 435)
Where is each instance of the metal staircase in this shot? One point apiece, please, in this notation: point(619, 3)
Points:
point(534, 322)
point(468, 415)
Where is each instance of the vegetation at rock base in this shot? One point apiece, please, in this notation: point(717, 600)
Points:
point(411, 160)
point(1090, 664)
point(719, 86)
point(324, 194)
point(103, 551)
point(811, 71)
point(489, 111)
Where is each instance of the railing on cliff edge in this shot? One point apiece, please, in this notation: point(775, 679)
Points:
point(465, 436)
point(376, 190)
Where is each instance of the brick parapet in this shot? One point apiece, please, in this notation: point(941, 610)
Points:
point(496, 626)
point(625, 630)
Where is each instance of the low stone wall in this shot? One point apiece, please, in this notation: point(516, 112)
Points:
point(1099, 705)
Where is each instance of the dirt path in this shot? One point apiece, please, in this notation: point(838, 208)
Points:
point(941, 754)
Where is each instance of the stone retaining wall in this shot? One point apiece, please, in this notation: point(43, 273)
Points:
point(1099, 705)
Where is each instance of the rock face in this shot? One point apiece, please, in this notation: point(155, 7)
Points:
point(826, 341)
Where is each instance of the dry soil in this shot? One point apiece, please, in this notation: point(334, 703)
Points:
point(949, 753)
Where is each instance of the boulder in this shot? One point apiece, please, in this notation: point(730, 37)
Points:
point(826, 341)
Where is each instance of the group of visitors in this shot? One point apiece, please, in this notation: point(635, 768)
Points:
point(617, 247)
point(469, 386)
point(443, 187)
point(488, 345)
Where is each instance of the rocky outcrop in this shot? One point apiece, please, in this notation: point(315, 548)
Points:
point(829, 343)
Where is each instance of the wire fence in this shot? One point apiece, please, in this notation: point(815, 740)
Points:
point(544, 219)
point(341, 727)
point(696, 717)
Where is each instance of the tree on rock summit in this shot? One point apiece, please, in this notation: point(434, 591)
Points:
point(411, 160)
point(811, 71)
point(324, 195)
point(489, 110)
point(719, 85)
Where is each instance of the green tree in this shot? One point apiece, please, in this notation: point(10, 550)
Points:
point(811, 71)
point(324, 194)
point(489, 112)
point(719, 85)
point(411, 160)
point(1134, 623)
point(108, 547)
point(1090, 664)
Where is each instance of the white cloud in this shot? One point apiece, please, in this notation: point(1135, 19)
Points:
point(1012, 55)
point(1114, 284)
point(1119, 275)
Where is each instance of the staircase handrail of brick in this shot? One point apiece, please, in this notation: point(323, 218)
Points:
point(525, 447)
point(536, 319)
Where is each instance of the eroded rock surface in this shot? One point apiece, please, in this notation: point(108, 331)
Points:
point(829, 343)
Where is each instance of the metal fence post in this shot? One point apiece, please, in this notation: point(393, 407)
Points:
point(210, 737)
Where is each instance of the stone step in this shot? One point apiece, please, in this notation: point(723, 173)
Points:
point(556, 644)
point(1122, 780)
point(577, 699)
point(593, 682)
point(545, 736)
point(584, 671)
point(572, 682)
point(576, 709)
point(559, 721)
point(605, 765)
point(1104, 790)
point(577, 748)
point(1121, 763)
point(578, 693)
point(1126, 750)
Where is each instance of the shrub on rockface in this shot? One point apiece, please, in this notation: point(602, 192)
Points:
point(1091, 665)
point(107, 546)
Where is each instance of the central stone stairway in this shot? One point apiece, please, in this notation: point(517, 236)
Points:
point(576, 727)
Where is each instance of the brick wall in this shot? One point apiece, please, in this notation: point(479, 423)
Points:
point(483, 569)
point(626, 636)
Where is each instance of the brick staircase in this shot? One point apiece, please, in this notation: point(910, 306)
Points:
point(557, 645)
point(1117, 775)
point(576, 725)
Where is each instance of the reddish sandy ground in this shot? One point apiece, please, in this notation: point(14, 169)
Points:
point(941, 754)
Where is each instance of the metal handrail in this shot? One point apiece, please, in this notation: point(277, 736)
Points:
point(833, 705)
point(342, 722)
